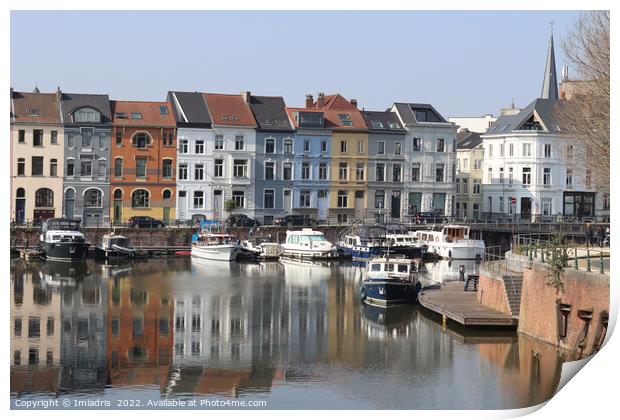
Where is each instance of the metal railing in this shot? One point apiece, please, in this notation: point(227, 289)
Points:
point(496, 261)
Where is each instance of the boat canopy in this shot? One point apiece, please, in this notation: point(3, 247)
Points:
point(60, 224)
point(369, 231)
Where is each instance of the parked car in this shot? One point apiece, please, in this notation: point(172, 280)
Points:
point(295, 220)
point(145, 222)
point(240, 220)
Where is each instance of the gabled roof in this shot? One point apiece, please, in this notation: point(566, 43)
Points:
point(544, 111)
point(150, 113)
point(467, 140)
point(189, 109)
point(270, 113)
point(338, 113)
point(71, 102)
point(231, 110)
point(383, 122)
point(409, 113)
point(35, 108)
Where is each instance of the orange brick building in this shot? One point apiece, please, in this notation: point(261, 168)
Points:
point(143, 161)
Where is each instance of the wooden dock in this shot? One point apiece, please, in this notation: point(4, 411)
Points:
point(452, 302)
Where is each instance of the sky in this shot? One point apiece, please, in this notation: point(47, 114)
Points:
point(465, 63)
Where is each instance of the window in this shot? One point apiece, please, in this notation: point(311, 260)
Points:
point(86, 168)
point(343, 199)
point(270, 146)
point(199, 199)
point(380, 172)
point(44, 197)
point(527, 176)
point(37, 165)
point(441, 146)
point(344, 146)
point(92, 198)
point(396, 172)
point(239, 199)
point(511, 149)
point(163, 110)
point(305, 170)
point(342, 218)
point(86, 115)
point(218, 171)
point(379, 199)
point(417, 144)
point(140, 199)
point(546, 206)
point(458, 186)
point(70, 167)
point(136, 116)
point(376, 124)
point(439, 176)
point(21, 136)
point(121, 115)
point(168, 139)
point(119, 138)
point(101, 173)
point(569, 151)
point(397, 148)
point(465, 165)
point(477, 163)
point(490, 150)
point(269, 199)
point(359, 171)
point(240, 168)
point(415, 172)
point(304, 198)
point(270, 170)
point(87, 137)
point(569, 178)
point(199, 147)
point(501, 175)
point(287, 171)
point(477, 186)
point(239, 143)
point(183, 146)
point(141, 167)
point(306, 146)
point(199, 172)
point(323, 170)
point(588, 178)
point(527, 149)
point(381, 148)
point(345, 120)
point(102, 140)
point(343, 171)
point(219, 142)
point(547, 150)
point(141, 140)
point(465, 183)
point(606, 200)
point(510, 176)
point(288, 146)
point(54, 137)
point(360, 147)
point(183, 171)
point(501, 204)
point(167, 168)
point(21, 167)
point(547, 177)
point(323, 146)
point(166, 194)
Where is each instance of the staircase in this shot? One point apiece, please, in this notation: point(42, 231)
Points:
point(471, 284)
point(513, 285)
point(350, 228)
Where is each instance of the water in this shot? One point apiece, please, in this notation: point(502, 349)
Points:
point(291, 334)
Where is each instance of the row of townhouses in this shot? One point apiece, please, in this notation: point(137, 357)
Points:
point(103, 161)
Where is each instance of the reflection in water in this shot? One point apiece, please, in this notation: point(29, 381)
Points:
point(289, 332)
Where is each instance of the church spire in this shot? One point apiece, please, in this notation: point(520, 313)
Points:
point(550, 81)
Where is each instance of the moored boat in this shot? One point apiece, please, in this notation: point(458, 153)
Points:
point(212, 243)
point(363, 242)
point(402, 242)
point(452, 242)
point(263, 246)
point(390, 280)
point(308, 244)
point(113, 246)
point(61, 240)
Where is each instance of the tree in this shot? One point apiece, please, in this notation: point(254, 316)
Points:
point(230, 206)
point(585, 113)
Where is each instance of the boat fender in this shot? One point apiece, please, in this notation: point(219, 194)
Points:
point(362, 293)
point(450, 254)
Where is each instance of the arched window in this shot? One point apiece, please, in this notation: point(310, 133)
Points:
point(167, 194)
point(141, 140)
point(86, 115)
point(44, 197)
point(20, 193)
point(118, 194)
point(140, 199)
point(118, 166)
point(70, 203)
point(92, 198)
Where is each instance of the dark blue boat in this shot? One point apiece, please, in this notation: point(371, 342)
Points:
point(363, 242)
point(390, 281)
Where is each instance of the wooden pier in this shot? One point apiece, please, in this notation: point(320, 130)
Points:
point(452, 302)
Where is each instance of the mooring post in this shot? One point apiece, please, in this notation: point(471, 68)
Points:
point(576, 260)
point(588, 267)
point(602, 264)
point(444, 320)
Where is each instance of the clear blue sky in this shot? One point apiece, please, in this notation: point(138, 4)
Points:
point(464, 63)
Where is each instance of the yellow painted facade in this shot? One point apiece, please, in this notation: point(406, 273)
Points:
point(350, 149)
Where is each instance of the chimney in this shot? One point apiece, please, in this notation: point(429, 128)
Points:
point(320, 101)
point(353, 102)
point(309, 101)
point(246, 96)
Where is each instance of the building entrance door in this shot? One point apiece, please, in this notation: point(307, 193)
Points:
point(395, 209)
point(218, 202)
point(526, 208)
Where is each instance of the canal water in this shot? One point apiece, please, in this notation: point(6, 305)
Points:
point(292, 334)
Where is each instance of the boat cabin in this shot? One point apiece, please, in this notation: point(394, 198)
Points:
point(455, 232)
point(304, 236)
point(400, 267)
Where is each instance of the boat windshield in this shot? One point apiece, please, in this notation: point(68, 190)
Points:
point(402, 268)
point(313, 238)
point(63, 225)
point(375, 267)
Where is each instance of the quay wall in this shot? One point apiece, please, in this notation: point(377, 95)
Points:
point(587, 293)
point(492, 292)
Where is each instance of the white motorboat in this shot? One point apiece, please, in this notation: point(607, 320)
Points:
point(263, 246)
point(308, 244)
point(452, 242)
point(212, 243)
point(61, 240)
point(113, 246)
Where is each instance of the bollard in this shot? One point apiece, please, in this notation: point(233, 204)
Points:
point(588, 268)
point(576, 260)
point(443, 322)
point(529, 252)
point(602, 264)
point(542, 255)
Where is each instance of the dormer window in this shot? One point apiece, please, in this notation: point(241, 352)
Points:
point(86, 115)
point(376, 124)
point(345, 119)
point(136, 116)
point(393, 125)
point(420, 116)
point(121, 115)
point(33, 112)
point(531, 125)
point(163, 110)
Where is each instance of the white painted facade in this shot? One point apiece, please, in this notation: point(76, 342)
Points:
point(475, 124)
